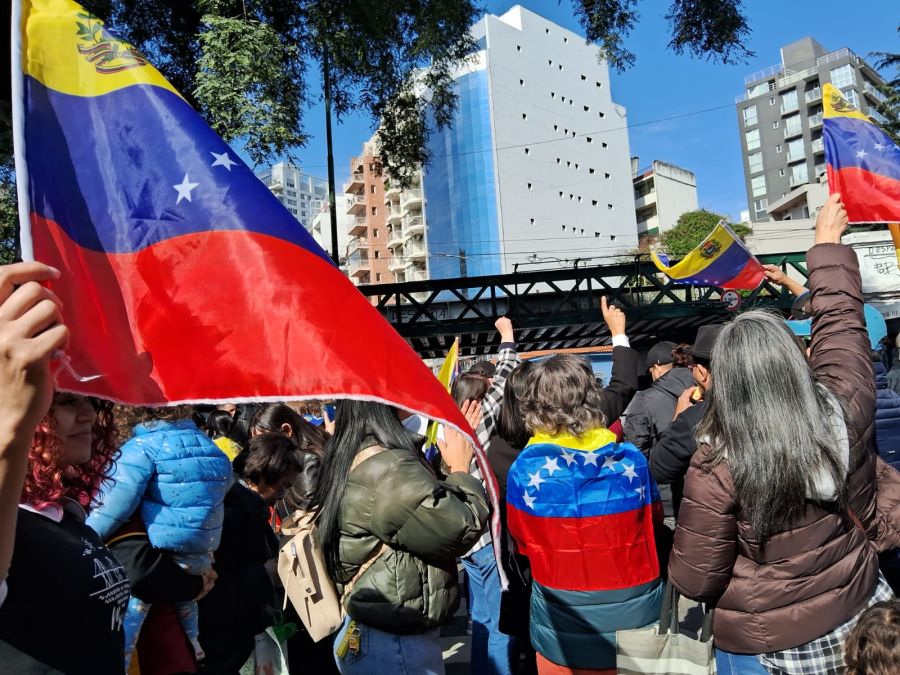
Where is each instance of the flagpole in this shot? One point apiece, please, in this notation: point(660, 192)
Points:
point(24, 244)
point(332, 201)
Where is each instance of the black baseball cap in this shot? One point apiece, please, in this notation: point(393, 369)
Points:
point(660, 354)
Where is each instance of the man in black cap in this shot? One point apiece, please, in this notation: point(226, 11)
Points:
point(671, 455)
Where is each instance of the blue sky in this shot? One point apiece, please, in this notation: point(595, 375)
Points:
point(663, 85)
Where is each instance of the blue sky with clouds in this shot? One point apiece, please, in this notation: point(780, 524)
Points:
point(665, 85)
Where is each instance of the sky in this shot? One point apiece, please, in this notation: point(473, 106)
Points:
point(680, 109)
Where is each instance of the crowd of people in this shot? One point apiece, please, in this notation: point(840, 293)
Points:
point(752, 472)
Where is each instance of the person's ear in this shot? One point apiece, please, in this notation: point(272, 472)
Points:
point(287, 430)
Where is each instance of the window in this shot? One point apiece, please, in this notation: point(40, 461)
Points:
point(760, 206)
point(771, 100)
point(590, 171)
point(377, 254)
point(374, 210)
point(752, 138)
point(518, 48)
point(602, 114)
point(377, 276)
point(524, 116)
point(781, 173)
point(799, 174)
point(607, 176)
point(778, 148)
point(375, 232)
point(555, 127)
point(853, 97)
point(789, 102)
point(604, 145)
point(560, 66)
point(568, 164)
point(530, 187)
point(796, 150)
point(589, 139)
point(527, 151)
point(599, 84)
point(532, 221)
point(583, 78)
point(758, 186)
point(372, 189)
point(609, 207)
point(756, 162)
point(558, 160)
point(565, 40)
point(552, 94)
point(750, 116)
point(593, 202)
point(776, 124)
point(757, 89)
point(843, 76)
point(792, 126)
point(521, 83)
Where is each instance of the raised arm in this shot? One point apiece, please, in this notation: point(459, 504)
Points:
point(623, 382)
point(507, 361)
point(840, 355)
point(31, 329)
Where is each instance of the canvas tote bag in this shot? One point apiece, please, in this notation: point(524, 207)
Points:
point(663, 649)
point(301, 567)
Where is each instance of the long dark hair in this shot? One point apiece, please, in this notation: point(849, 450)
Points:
point(357, 424)
point(511, 424)
point(219, 423)
point(469, 387)
point(273, 416)
point(772, 423)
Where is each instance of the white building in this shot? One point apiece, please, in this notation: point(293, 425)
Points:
point(662, 192)
point(791, 223)
point(320, 227)
point(302, 194)
point(537, 160)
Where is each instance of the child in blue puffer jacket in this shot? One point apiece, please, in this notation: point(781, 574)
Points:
point(176, 479)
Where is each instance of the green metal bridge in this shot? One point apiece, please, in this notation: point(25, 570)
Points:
point(557, 309)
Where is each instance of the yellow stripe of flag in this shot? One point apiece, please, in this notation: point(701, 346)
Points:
point(695, 262)
point(69, 50)
point(445, 375)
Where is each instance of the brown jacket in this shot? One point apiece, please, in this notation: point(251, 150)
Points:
point(819, 573)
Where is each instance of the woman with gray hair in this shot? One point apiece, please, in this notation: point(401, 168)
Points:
point(582, 508)
point(781, 493)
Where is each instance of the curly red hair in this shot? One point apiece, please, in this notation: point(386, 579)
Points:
point(49, 484)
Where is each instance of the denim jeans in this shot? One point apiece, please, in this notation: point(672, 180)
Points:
point(738, 664)
point(492, 651)
point(382, 653)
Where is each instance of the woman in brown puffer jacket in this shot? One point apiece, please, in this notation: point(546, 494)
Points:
point(780, 497)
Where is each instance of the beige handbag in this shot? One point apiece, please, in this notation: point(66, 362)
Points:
point(301, 567)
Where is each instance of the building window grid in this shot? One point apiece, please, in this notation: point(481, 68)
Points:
point(750, 116)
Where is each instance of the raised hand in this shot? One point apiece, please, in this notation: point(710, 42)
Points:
point(613, 316)
point(505, 328)
point(831, 221)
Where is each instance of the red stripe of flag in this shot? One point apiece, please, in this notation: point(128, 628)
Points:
point(589, 554)
point(868, 197)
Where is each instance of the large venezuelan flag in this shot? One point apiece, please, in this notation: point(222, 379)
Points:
point(720, 260)
point(863, 163)
point(184, 278)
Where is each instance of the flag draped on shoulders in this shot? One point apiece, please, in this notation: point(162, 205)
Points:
point(862, 162)
point(721, 260)
point(582, 509)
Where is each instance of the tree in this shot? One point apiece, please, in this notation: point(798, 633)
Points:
point(9, 220)
point(890, 107)
point(692, 228)
point(716, 29)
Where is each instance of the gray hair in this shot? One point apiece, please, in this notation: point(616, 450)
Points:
point(562, 395)
point(768, 419)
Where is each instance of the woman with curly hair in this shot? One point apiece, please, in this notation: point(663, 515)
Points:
point(581, 508)
point(56, 450)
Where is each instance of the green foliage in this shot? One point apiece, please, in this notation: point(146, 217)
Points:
point(692, 228)
point(716, 29)
point(889, 65)
point(9, 220)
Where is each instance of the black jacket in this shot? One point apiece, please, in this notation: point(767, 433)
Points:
point(651, 410)
point(241, 603)
point(671, 456)
point(623, 383)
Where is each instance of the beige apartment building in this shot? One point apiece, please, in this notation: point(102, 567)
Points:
point(368, 255)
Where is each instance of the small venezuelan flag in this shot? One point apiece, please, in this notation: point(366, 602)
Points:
point(721, 260)
point(448, 372)
point(863, 163)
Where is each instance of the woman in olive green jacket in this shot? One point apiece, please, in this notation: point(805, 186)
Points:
point(391, 532)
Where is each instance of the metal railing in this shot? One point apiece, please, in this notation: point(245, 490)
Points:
point(791, 78)
point(818, 145)
point(869, 88)
point(764, 74)
point(813, 95)
point(815, 120)
point(792, 130)
point(396, 236)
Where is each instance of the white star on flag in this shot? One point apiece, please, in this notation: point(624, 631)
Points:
point(222, 159)
point(536, 479)
point(184, 189)
point(880, 146)
point(609, 462)
point(640, 491)
point(529, 500)
point(629, 472)
point(552, 465)
point(590, 458)
point(569, 457)
point(860, 153)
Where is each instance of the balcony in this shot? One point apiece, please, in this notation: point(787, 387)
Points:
point(391, 189)
point(358, 263)
point(644, 201)
point(818, 170)
point(872, 90)
point(799, 179)
point(791, 78)
point(398, 262)
point(395, 237)
point(791, 130)
point(771, 71)
point(814, 95)
point(796, 157)
point(815, 121)
point(416, 272)
point(355, 183)
point(413, 225)
point(818, 145)
point(394, 215)
point(356, 204)
point(410, 199)
point(359, 226)
point(415, 249)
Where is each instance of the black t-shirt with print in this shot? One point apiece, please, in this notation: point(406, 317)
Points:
point(67, 597)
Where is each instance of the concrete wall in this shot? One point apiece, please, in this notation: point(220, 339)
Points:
point(676, 193)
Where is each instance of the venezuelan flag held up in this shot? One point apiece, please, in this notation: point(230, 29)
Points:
point(863, 163)
point(184, 278)
point(720, 260)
